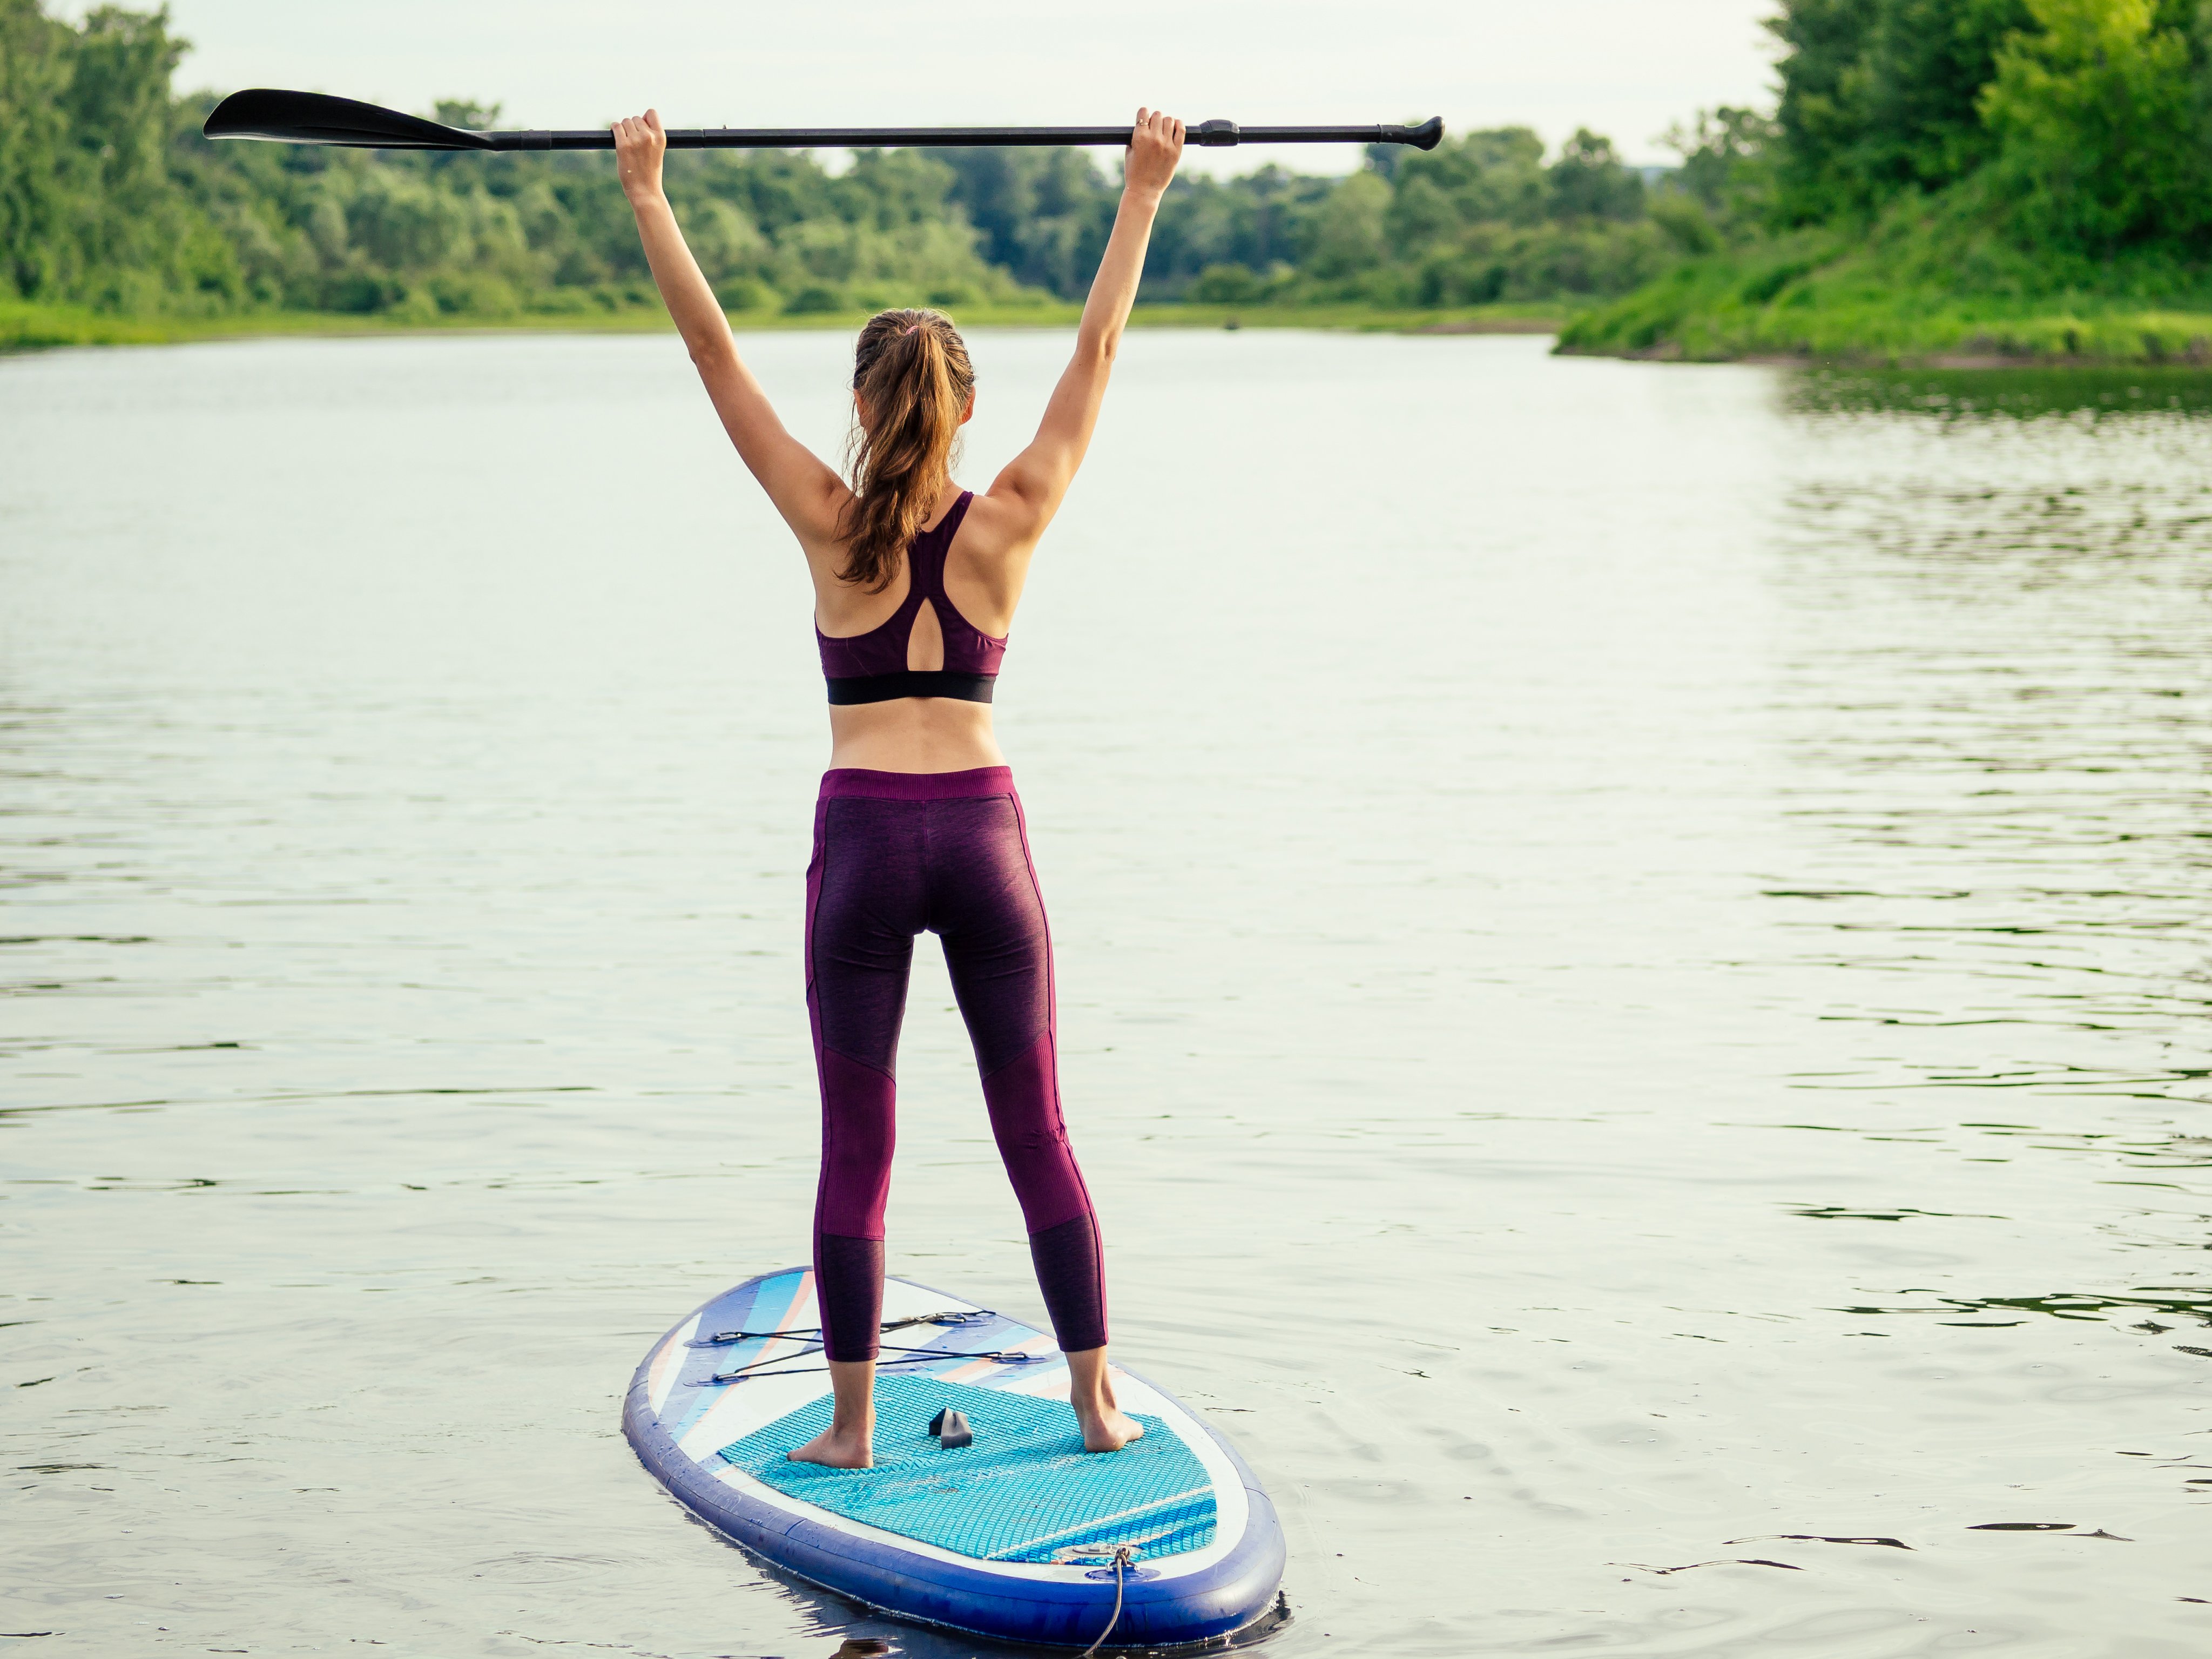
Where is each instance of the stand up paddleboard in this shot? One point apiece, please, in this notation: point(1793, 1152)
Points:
point(1019, 1534)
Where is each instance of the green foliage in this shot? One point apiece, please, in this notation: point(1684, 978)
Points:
point(34, 196)
point(1492, 177)
point(1981, 178)
point(112, 202)
point(1228, 285)
point(86, 202)
point(110, 199)
point(1479, 220)
point(1880, 96)
point(1933, 277)
point(2096, 115)
point(1044, 214)
point(1589, 182)
point(1724, 190)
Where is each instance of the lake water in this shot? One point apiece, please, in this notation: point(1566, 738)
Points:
point(1634, 941)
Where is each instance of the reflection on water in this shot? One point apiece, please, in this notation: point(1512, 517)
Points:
point(2000, 729)
point(2019, 394)
point(1634, 961)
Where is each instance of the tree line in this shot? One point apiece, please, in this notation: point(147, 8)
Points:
point(110, 198)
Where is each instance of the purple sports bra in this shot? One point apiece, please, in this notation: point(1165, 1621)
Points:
point(870, 667)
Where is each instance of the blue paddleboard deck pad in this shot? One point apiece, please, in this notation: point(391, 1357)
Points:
point(1024, 1490)
point(1011, 1536)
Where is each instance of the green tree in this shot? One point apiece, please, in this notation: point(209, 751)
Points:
point(1883, 96)
point(1044, 214)
point(2096, 110)
point(1494, 176)
point(1727, 155)
point(1589, 181)
point(35, 196)
point(1347, 232)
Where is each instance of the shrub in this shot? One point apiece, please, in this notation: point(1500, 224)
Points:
point(745, 294)
point(1227, 285)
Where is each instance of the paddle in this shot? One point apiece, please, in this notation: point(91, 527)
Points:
point(313, 117)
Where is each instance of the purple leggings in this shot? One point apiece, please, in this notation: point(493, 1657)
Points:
point(895, 854)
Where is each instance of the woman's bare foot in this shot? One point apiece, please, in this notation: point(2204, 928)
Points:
point(849, 1442)
point(838, 1449)
point(1106, 1427)
point(1109, 1430)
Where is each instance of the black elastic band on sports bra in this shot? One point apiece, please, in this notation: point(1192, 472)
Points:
point(913, 682)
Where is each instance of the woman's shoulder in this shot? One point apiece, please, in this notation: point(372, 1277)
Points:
point(995, 525)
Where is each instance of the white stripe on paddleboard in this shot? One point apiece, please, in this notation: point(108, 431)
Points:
point(1103, 1520)
point(735, 1414)
point(669, 1362)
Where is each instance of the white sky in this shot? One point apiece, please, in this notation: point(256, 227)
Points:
point(1624, 68)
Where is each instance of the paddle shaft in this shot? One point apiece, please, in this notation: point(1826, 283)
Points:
point(1211, 134)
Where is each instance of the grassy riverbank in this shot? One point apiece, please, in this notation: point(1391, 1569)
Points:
point(1817, 297)
point(27, 327)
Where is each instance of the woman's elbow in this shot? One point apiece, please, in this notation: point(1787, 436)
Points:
point(711, 349)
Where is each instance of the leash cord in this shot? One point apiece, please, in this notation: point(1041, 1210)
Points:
point(1121, 1554)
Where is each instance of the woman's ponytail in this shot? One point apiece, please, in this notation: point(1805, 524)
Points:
point(911, 371)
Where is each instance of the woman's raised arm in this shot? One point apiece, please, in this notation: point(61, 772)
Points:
point(1038, 477)
point(808, 493)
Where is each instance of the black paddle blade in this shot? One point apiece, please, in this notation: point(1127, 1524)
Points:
point(315, 118)
point(1427, 136)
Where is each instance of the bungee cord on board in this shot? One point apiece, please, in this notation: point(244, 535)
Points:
point(811, 1336)
point(749, 1372)
point(950, 1317)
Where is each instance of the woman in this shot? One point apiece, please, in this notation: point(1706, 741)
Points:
point(918, 826)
